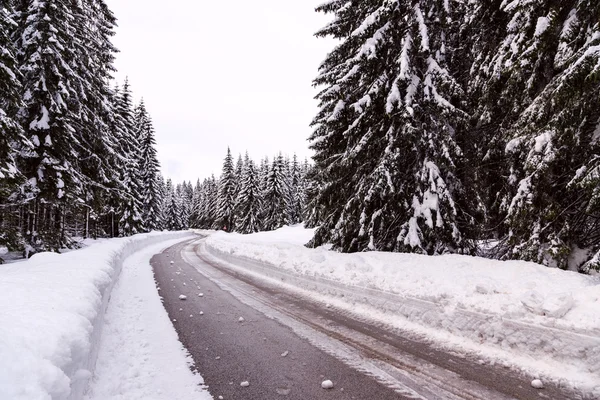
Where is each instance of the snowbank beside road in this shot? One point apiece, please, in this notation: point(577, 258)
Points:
point(140, 355)
point(525, 308)
point(51, 315)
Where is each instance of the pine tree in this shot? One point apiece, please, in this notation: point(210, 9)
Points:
point(264, 173)
point(276, 196)
point(553, 209)
point(185, 194)
point(249, 201)
point(227, 191)
point(132, 198)
point(196, 206)
point(211, 204)
point(239, 173)
point(149, 168)
point(161, 189)
point(296, 191)
point(100, 147)
point(12, 140)
point(313, 210)
point(535, 83)
point(46, 44)
point(385, 138)
point(173, 208)
point(11, 134)
point(67, 169)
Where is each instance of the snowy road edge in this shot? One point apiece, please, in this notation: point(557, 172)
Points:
point(131, 246)
point(53, 308)
point(537, 342)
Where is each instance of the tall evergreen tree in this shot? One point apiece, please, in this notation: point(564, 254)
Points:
point(313, 208)
point(47, 46)
point(534, 84)
point(249, 200)
point(12, 140)
point(161, 189)
point(239, 173)
point(11, 135)
point(196, 207)
point(385, 139)
point(276, 196)
point(149, 168)
point(554, 208)
point(211, 204)
point(132, 198)
point(173, 220)
point(99, 144)
point(227, 192)
point(296, 191)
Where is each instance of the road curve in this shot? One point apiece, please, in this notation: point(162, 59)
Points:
point(284, 346)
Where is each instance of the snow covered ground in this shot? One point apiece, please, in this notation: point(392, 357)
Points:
point(544, 320)
point(140, 355)
point(52, 310)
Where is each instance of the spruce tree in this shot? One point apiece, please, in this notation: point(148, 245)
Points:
point(131, 201)
point(276, 196)
point(385, 139)
point(46, 48)
point(196, 206)
point(313, 209)
point(211, 204)
point(161, 189)
point(296, 191)
point(552, 206)
point(249, 200)
point(149, 168)
point(239, 173)
point(172, 208)
point(227, 192)
point(533, 87)
point(11, 135)
point(99, 146)
point(12, 140)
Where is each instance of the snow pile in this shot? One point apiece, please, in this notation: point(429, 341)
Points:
point(519, 306)
point(52, 308)
point(327, 384)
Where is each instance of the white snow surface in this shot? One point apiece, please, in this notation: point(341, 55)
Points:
point(52, 310)
point(140, 354)
point(546, 318)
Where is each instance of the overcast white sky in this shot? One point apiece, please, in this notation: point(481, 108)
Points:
point(214, 74)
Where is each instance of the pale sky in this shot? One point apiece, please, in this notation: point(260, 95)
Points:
point(214, 74)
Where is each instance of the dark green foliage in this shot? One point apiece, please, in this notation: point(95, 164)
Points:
point(249, 200)
point(445, 122)
point(386, 136)
point(547, 112)
point(149, 168)
point(227, 195)
point(70, 155)
point(276, 196)
point(265, 197)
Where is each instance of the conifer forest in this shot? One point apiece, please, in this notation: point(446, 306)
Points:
point(469, 127)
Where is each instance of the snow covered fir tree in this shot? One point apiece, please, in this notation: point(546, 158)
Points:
point(247, 199)
point(76, 159)
point(443, 124)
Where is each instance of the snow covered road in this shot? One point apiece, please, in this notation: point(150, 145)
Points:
point(286, 343)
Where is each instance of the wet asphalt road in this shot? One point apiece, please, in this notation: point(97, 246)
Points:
point(227, 351)
point(279, 364)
